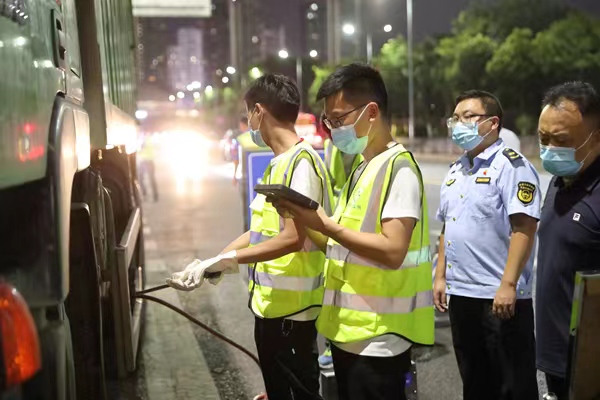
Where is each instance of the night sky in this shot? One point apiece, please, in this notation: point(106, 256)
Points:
point(425, 21)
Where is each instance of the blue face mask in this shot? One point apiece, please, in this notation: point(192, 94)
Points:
point(255, 133)
point(560, 161)
point(466, 135)
point(345, 139)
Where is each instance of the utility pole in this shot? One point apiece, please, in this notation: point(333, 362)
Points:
point(333, 32)
point(411, 88)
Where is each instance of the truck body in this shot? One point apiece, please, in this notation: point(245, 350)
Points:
point(71, 237)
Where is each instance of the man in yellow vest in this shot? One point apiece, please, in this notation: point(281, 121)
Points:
point(378, 290)
point(285, 268)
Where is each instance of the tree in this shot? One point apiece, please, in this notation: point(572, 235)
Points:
point(570, 50)
point(514, 70)
point(498, 19)
point(392, 63)
point(433, 101)
point(465, 58)
point(321, 73)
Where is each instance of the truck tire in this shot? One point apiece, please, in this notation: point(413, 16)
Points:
point(83, 306)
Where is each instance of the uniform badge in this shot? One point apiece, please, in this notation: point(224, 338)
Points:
point(450, 182)
point(525, 192)
point(511, 155)
point(484, 180)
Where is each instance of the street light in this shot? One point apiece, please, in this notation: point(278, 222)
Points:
point(196, 95)
point(387, 28)
point(284, 54)
point(230, 70)
point(225, 79)
point(196, 85)
point(190, 87)
point(141, 114)
point(348, 29)
point(255, 73)
point(208, 89)
point(180, 95)
point(313, 53)
point(171, 98)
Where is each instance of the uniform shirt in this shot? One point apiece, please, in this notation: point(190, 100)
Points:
point(475, 205)
point(403, 201)
point(569, 241)
point(306, 181)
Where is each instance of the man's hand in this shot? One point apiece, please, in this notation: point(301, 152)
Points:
point(313, 219)
point(198, 271)
point(439, 295)
point(505, 300)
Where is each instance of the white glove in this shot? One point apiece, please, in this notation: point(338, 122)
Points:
point(194, 274)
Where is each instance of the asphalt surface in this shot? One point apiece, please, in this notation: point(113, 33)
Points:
point(196, 216)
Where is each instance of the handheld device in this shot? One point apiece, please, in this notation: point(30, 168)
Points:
point(284, 192)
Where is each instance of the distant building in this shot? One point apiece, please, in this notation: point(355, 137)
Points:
point(186, 59)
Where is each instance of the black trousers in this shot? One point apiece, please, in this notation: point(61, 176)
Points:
point(559, 386)
point(288, 354)
point(496, 358)
point(370, 378)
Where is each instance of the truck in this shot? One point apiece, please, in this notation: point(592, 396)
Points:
point(71, 235)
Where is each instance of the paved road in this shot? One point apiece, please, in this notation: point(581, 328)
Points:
point(196, 218)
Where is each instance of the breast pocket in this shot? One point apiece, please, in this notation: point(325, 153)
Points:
point(485, 201)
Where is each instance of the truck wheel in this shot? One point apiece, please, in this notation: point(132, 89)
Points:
point(83, 306)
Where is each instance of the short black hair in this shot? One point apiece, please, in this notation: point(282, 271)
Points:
point(278, 94)
point(583, 94)
point(359, 83)
point(490, 102)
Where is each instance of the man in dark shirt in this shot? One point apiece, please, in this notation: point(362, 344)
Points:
point(569, 232)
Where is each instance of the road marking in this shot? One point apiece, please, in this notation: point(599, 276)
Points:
point(174, 366)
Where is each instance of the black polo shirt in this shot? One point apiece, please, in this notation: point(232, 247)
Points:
point(569, 241)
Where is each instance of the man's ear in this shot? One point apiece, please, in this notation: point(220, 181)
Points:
point(372, 111)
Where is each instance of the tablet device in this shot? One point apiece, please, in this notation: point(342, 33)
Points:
point(284, 192)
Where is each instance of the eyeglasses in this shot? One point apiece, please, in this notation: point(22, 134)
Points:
point(338, 121)
point(452, 121)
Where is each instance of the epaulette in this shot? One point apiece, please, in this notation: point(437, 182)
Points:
point(512, 155)
point(453, 163)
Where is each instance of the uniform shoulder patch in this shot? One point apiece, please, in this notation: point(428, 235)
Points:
point(482, 179)
point(511, 155)
point(450, 182)
point(525, 192)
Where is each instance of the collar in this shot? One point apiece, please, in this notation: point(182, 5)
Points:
point(588, 178)
point(480, 158)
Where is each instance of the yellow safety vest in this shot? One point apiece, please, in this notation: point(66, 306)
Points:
point(334, 160)
point(364, 299)
point(294, 282)
point(146, 152)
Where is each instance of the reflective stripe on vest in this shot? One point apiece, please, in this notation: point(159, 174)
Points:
point(413, 258)
point(283, 282)
point(379, 305)
point(294, 282)
point(365, 299)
